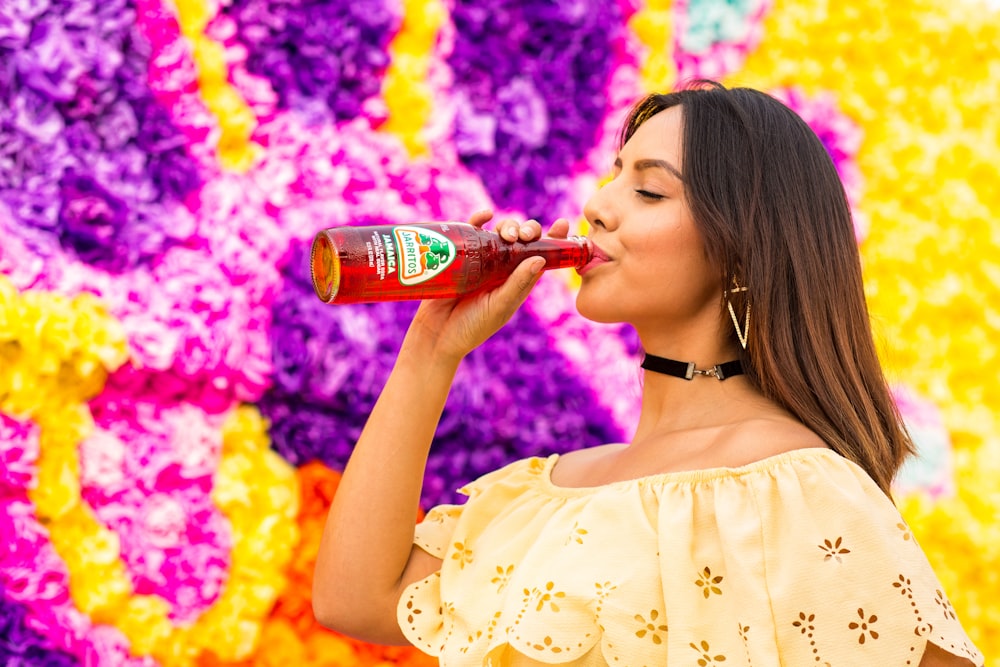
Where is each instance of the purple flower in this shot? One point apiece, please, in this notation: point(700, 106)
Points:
point(16, 19)
point(530, 84)
point(523, 113)
point(35, 116)
point(74, 100)
point(117, 125)
point(475, 132)
point(323, 58)
point(19, 644)
point(51, 66)
point(91, 219)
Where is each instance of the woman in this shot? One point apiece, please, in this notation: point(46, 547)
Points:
point(748, 520)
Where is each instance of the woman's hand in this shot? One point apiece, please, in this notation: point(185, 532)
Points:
point(454, 327)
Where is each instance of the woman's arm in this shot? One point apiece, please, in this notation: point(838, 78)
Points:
point(366, 555)
point(935, 656)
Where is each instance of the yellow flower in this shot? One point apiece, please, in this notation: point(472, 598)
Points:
point(407, 95)
point(653, 25)
point(236, 120)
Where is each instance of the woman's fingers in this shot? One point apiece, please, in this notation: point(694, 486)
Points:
point(559, 229)
point(511, 230)
point(529, 231)
point(480, 218)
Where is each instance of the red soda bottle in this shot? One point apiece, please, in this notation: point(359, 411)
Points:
point(425, 261)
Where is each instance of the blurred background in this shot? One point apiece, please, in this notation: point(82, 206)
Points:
point(176, 404)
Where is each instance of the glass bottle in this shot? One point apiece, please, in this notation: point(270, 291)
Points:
point(432, 260)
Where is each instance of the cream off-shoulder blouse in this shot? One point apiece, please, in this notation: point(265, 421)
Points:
point(798, 559)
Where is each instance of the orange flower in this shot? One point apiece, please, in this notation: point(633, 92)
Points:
point(319, 485)
point(279, 646)
point(291, 635)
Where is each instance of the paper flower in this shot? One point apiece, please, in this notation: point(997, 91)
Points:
point(22, 645)
point(323, 59)
point(101, 161)
point(712, 39)
point(529, 84)
point(153, 495)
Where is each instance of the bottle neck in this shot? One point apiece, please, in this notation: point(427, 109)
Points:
point(567, 253)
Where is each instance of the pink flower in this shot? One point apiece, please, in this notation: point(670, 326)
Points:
point(164, 521)
point(102, 462)
point(198, 440)
point(108, 646)
point(18, 456)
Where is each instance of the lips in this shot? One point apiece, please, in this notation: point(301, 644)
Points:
point(599, 257)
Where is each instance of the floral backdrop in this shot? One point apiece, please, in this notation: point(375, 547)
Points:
point(176, 404)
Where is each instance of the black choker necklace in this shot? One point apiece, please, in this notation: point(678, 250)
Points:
point(687, 370)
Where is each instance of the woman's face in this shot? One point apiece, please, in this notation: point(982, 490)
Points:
point(654, 272)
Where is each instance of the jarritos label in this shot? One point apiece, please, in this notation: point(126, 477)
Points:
point(423, 254)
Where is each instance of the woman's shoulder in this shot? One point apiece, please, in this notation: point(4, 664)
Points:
point(749, 444)
point(763, 438)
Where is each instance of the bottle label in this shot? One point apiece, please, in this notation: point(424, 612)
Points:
point(423, 254)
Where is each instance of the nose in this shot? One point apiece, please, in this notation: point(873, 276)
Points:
point(599, 209)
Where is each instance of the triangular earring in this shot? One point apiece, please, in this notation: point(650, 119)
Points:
point(741, 332)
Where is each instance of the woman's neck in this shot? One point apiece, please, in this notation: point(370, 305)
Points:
point(672, 403)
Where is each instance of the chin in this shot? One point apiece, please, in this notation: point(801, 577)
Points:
point(595, 310)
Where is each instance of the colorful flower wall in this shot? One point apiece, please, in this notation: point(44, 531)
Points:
point(175, 404)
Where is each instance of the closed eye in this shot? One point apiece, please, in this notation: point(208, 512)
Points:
point(652, 196)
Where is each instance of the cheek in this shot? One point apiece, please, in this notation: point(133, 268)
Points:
point(673, 264)
point(657, 252)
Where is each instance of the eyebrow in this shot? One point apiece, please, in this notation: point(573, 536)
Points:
point(642, 165)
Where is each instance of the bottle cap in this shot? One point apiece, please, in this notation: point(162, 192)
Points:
point(324, 267)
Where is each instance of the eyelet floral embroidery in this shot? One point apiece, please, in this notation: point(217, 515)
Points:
point(805, 625)
point(440, 514)
point(548, 595)
point(865, 626)
point(603, 591)
point(493, 625)
point(546, 645)
point(559, 606)
point(576, 534)
point(905, 587)
point(412, 612)
point(448, 611)
point(706, 658)
point(744, 637)
point(650, 627)
point(906, 531)
point(708, 583)
point(462, 554)
point(503, 577)
point(834, 549)
point(471, 641)
point(945, 605)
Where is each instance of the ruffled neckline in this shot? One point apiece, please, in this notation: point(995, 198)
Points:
point(545, 466)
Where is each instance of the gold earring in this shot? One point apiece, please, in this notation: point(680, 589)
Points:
point(744, 332)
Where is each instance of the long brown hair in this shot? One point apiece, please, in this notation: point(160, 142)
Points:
point(771, 208)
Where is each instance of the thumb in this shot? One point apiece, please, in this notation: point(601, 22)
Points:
point(518, 286)
point(527, 273)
